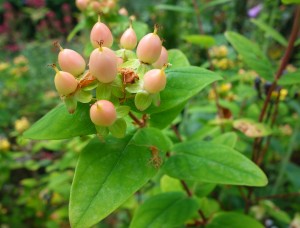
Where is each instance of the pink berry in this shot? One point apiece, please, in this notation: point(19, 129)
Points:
point(96, 6)
point(128, 39)
point(81, 4)
point(103, 64)
point(65, 82)
point(71, 61)
point(149, 48)
point(103, 113)
point(155, 81)
point(163, 58)
point(101, 32)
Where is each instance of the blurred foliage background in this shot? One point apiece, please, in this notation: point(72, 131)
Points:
point(35, 177)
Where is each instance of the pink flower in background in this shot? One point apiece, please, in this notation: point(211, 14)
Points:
point(50, 14)
point(3, 29)
point(12, 47)
point(35, 3)
point(67, 19)
point(254, 11)
point(7, 6)
point(66, 7)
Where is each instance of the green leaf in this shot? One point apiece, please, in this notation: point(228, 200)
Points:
point(227, 139)
point(213, 163)
point(180, 9)
point(83, 96)
point(162, 120)
point(252, 55)
point(213, 3)
point(103, 91)
point(59, 124)
point(170, 209)
point(177, 58)
point(142, 100)
point(182, 84)
point(108, 173)
point(170, 184)
point(251, 128)
point(290, 78)
point(233, 220)
point(291, 1)
point(122, 111)
point(140, 28)
point(201, 40)
point(118, 129)
point(270, 32)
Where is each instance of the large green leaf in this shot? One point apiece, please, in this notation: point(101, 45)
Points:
point(200, 40)
point(291, 1)
point(213, 163)
point(179, 9)
point(228, 139)
point(182, 84)
point(290, 78)
point(170, 209)
point(233, 220)
point(162, 120)
point(59, 124)
point(108, 173)
point(177, 58)
point(270, 31)
point(252, 55)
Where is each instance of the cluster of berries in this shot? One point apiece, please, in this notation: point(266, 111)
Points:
point(115, 76)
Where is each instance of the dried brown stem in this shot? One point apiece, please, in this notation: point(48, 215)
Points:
point(196, 8)
point(138, 122)
point(279, 196)
point(284, 61)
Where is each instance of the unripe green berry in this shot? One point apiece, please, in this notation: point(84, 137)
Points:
point(155, 81)
point(71, 61)
point(163, 58)
point(149, 48)
point(65, 83)
point(103, 113)
point(128, 39)
point(101, 32)
point(103, 64)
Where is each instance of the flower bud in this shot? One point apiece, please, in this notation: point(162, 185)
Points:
point(103, 64)
point(155, 81)
point(103, 113)
point(128, 39)
point(163, 58)
point(71, 61)
point(101, 32)
point(149, 48)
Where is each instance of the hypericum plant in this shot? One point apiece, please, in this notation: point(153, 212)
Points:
point(129, 100)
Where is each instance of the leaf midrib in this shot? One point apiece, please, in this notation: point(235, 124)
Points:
point(216, 162)
point(103, 182)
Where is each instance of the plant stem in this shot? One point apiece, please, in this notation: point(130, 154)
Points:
point(184, 184)
point(196, 8)
point(140, 123)
point(219, 108)
point(284, 62)
point(274, 116)
point(286, 159)
point(279, 196)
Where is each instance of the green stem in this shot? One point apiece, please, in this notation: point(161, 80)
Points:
point(286, 159)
